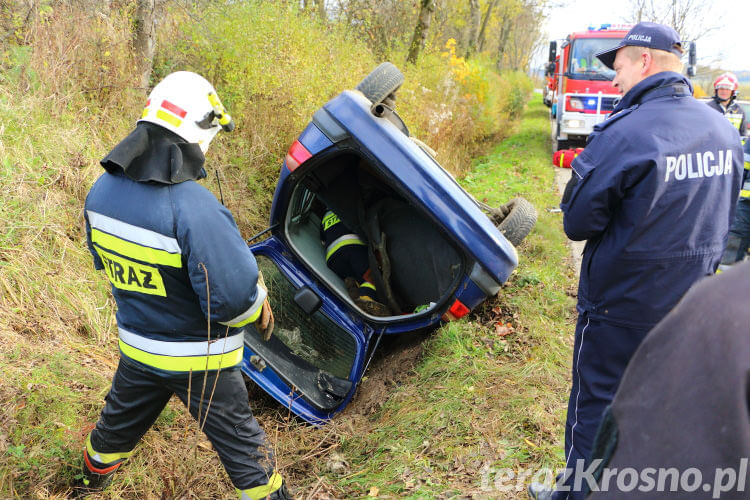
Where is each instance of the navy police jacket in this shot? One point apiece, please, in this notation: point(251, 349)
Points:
point(656, 189)
point(174, 257)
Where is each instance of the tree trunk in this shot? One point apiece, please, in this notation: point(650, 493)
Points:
point(427, 7)
point(322, 10)
point(475, 17)
point(502, 42)
point(485, 22)
point(144, 39)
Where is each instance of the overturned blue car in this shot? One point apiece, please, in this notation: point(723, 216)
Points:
point(429, 252)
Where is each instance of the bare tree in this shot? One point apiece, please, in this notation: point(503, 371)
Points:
point(482, 32)
point(383, 24)
point(472, 27)
point(322, 10)
point(692, 19)
point(519, 34)
point(426, 9)
point(145, 15)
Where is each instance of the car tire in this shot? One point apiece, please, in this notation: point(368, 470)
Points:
point(381, 83)
point(515, 219)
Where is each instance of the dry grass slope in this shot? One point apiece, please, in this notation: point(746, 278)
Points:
point(67, 94)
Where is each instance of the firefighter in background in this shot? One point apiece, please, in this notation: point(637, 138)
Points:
point(738, 242)
point(176, 261)
point(725, 92)
point(346, 255)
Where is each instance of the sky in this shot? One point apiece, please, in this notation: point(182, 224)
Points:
point(728, 47)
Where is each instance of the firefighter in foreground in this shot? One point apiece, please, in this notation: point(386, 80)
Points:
point(725, 92)
point(185, 284)
point(653, 194)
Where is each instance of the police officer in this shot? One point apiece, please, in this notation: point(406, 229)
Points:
point(185, 284)
point(725, 92)
point(653, 194)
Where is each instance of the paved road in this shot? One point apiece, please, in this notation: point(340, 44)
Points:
point(562, 176)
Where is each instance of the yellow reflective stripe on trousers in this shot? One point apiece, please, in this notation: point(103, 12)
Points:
point(182, 356)
point(745, 193)
point(367, 284)
point(342, 241)
point(135, 251)
point(260, 492)
point(104, 458)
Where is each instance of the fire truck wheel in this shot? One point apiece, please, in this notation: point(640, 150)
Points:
point(558, 144)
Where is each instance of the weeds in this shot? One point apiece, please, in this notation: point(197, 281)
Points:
point(67, 95)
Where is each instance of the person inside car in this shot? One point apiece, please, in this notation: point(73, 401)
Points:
point(346, 255)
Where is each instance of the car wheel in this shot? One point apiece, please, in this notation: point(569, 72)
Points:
point(515, 219)
point(381, 83)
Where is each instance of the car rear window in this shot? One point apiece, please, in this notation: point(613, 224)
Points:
point(309, 339)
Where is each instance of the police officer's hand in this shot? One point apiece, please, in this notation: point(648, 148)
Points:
point(264, 324)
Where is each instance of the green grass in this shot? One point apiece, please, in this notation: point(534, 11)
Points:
point(479, 402)
point(474, 403)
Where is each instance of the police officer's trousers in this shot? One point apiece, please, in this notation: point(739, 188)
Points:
point(138, 396)
point(600, 355)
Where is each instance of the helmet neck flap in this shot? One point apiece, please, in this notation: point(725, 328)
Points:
point(151, 153)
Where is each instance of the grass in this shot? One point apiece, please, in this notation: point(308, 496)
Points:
point(473, 404)
point(476, 402)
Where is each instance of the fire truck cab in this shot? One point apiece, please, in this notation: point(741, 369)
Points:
point(583, 94)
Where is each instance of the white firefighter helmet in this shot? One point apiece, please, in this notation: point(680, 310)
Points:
point(187, 104)
point(727, 81)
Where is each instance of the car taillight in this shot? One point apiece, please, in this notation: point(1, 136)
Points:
point(296, 156)
point(457, 310)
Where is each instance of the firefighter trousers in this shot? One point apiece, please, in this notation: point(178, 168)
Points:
point(138, 396)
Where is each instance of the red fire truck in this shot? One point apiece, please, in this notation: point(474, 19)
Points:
point(579, 87)
point(582, 93)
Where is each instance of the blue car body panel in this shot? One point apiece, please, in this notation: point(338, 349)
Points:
point(427, 184)
point(348, 120)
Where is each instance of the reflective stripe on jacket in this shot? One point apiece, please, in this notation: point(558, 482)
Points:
point(336, 234)
point(159, 245)
point(734, 113)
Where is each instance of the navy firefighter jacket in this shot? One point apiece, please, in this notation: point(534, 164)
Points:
point(655, 194)
point(159, 244)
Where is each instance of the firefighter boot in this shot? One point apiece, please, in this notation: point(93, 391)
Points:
point(367, 300)
point(274, 490)
point(96, 476)
point(539, 491)
point(372, 307)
